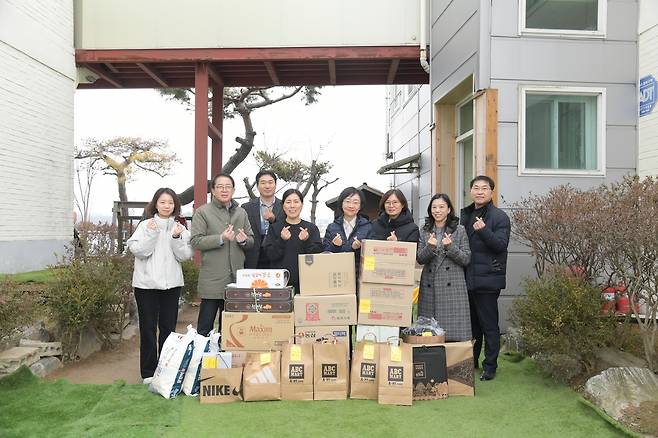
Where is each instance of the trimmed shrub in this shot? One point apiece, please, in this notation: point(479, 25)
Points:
point(560, 318)
point(18, 307)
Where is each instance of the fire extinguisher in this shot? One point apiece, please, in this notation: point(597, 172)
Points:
point(608, 295)
point(623, 303)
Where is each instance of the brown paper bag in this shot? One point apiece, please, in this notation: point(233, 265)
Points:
point(220, 385)
point(297, 372)
point(330, 372)
point(395, 375)
point(459, 361)
point(262, 376)
point(365, 364)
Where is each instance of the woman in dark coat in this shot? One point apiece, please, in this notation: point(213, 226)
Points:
point(291, 237)
point(349, 228)
point(395, 221)
point(443, 250)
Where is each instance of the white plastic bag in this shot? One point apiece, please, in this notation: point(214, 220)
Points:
point(174, 360)
point(202, 344)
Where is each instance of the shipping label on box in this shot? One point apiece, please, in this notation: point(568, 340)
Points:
point(376, 313)
point(379, 332)
point(307, 335)
point(388, 262)
point(256, 331)
point(397, 294)
point(325, 310)
point(327, 274)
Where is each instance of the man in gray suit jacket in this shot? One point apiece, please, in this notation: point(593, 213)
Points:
point(262, 212)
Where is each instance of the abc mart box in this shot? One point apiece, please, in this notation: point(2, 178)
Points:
point(256, 331)
point(388, 262)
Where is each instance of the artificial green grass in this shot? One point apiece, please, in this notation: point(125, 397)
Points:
point(520, 402)
point(33, 407)
point(42, 276)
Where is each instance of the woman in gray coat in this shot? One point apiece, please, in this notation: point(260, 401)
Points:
point(444, 252)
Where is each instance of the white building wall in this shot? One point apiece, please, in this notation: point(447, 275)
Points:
point(161, 24)
point(648, 54)
point(37, 72)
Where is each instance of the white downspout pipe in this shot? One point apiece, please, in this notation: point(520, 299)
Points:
point(423, 36)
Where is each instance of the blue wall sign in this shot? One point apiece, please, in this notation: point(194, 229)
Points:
point(648, 94)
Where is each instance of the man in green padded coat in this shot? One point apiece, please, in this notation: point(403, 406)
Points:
point(221, 231)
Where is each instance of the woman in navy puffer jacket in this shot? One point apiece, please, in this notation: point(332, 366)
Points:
point(349, 228)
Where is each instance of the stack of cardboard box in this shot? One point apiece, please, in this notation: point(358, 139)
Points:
point(386, 283)
point(326, 305)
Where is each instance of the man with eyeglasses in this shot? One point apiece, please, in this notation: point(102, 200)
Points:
point(221, 231)
point(262, 212)
point(488, 230)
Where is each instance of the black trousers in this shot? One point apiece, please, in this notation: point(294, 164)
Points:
point(207, 313)
point(484, 323)
point(158, 313)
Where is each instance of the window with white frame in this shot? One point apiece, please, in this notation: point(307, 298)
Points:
point(465, 157)
point(571, 17)
point(562, 130)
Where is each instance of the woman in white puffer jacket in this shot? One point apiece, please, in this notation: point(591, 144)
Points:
point(160, 243)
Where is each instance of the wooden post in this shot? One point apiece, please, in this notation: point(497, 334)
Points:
point(200, 135)
point(218, 122)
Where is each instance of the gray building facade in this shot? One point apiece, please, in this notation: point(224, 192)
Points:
point(534, 93)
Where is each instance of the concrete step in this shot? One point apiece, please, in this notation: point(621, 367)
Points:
point(45, 348)
point(14, 358)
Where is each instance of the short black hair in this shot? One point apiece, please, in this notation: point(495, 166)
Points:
point(492, 184)
point(264, 172)
point(398, 194)
point(346, 193)
point(225, 175)
point(292, 192)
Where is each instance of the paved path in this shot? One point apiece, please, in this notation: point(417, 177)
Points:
point(120, 363)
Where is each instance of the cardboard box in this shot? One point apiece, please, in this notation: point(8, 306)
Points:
point(327, 274)
point(388, 262)
point(256, 331)
point(308, 335)
point(261, 278)
point(262, 294)
point(238, 358)
point(396, 294)
point(325, 310)
point(258, 307)
point(376, 313)
point(381, 333)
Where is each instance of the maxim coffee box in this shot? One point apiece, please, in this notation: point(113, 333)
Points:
point(388, 262)
point(256, 331)
point(327, 274)
point(325, 310)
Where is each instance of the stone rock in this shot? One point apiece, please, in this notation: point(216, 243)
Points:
point(45, 366)
point(45, 348)
point(89, 343)
point(619, 388)
point(130, 331)
point(14, 358)
point(613, 357)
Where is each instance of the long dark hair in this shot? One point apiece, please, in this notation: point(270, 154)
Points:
point(150, 210)
point(398, 194)
point(451, 221)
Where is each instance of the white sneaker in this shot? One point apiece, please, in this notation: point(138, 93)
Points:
point(147, 380)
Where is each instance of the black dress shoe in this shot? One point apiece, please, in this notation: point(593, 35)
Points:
point(487, 375)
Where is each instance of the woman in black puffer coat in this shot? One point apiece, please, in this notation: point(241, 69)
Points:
point(395, 221)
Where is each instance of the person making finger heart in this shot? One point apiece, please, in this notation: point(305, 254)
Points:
point(221, 231)
point(289, 238)
point(443, 251)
